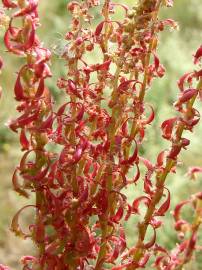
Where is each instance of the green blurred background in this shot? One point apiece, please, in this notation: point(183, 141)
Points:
point(176, 50)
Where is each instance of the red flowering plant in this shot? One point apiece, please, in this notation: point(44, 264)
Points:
point(81, 205)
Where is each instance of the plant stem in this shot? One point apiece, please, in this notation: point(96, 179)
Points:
point(160, 180)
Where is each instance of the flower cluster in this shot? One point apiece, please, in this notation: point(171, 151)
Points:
point(172, 130)
point(80, 202)
point(35, 121)
point(187, 231)
point(105, 120)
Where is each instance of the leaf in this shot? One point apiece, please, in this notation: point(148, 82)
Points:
point(40, 88)
point(30, 38)
point(165, 206)
point(17, 47)
point(82, 243)
point(30, 8)
point(17, 187)
point(192, 171)
point(38, 176)
point(23, 140)
point(124, 85)
point(131, 159)
point(179, 224)
point(186, 95)
point(167, 127)
point(15, 227)
point(79, 151)
point(156, 223)
point(137, 201)
point(102, 200)
point(3, 267)
point(47, 124)
point(185, 78)
point(18, 89)
point(73, 89)
point(144, 260)
point(9, 4)
point(160, 158)
point(118, 216)
point(80, 114)
point(137, 176)
point(170, 22)
point(103, 67)
point(150, 118)
point(191, 244)
point(99, 28)
point(198, 55)
point(147, 163)
point(177, 210)
point(129, 212)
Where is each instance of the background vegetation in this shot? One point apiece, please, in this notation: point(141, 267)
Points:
point(175, 50)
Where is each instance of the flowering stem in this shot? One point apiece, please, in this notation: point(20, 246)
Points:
point(160, 180)
point(148, 55)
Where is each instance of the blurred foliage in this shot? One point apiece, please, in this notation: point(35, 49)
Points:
point(175, 50)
